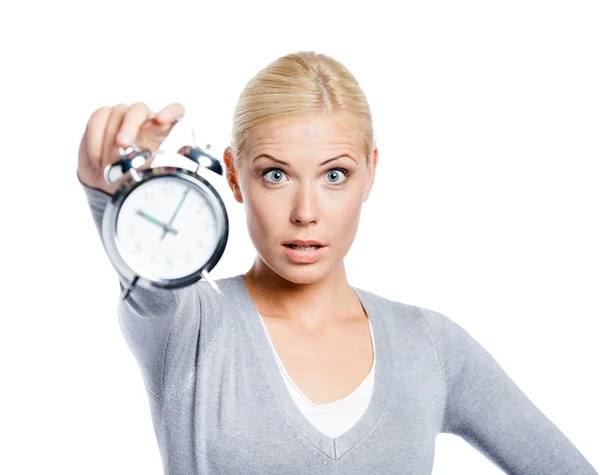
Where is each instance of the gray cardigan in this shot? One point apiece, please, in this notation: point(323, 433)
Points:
point(220, 406)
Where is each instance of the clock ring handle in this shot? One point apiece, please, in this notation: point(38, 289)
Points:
point(128, 159)
point(131, 158)
point(134, 157)
point(200, 155)
point(202, 158)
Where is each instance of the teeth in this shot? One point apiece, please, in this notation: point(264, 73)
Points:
point(303, 247)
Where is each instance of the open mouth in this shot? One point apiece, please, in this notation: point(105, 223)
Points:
point(302, 248)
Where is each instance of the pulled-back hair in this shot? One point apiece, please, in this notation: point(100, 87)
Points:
point(301, 84)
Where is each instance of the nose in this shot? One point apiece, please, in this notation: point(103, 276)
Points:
point(305, 206)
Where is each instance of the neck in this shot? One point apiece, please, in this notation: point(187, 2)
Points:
point(310, 303)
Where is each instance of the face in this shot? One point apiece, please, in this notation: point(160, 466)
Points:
point(309, 197)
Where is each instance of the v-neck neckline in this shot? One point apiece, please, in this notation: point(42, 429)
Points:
point(333, 448)
point(324, 406)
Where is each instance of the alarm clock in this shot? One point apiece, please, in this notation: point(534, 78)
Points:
point(165, 226)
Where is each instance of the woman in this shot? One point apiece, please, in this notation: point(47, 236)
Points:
point(295, 371)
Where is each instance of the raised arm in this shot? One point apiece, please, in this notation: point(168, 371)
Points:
point(489, 411)
point(160, 326)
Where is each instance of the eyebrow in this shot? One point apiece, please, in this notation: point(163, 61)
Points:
point(265, 155)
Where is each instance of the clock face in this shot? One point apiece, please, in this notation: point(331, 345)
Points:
point(166, 228)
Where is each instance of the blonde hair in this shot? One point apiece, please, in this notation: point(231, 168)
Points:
point(298, 85)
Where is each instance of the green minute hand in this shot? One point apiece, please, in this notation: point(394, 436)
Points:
point(175, 214)
point(152, 219)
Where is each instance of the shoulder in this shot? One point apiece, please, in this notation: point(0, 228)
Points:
point(224, 294)
point(442, 328)
point(395, 309)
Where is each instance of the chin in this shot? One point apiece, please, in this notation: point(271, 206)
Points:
point(303, 274)
point(299, 273)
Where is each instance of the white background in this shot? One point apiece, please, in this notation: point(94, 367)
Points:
point(485, 205)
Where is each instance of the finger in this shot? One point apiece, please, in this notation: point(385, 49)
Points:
point(169, 113)
point(136, 115)
point(94, 134)
point(113, 124)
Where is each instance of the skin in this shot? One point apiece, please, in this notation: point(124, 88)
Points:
point(110, 127)
point(315, 320)
point(305, 205)
point(302, 202)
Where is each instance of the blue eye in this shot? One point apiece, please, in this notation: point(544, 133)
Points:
point(278, 173)
point(334, 172)
point(269, 170)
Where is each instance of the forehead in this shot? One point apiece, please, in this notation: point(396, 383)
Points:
point(319, 131)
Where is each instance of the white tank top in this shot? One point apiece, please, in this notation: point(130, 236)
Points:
point(337, 417)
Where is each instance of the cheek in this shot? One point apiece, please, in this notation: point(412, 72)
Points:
point(262, 219)
point(348, 218)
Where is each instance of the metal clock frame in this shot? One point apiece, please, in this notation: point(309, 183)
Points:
point(110, 236)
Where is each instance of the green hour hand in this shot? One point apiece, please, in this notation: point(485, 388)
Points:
point(167, 228)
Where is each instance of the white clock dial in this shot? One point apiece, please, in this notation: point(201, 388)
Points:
point(166, 228)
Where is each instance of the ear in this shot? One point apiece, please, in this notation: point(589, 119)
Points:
point(232, 174)
point(372, 166)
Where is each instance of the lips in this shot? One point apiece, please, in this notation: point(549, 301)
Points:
point(306, 255)
point(299, 242)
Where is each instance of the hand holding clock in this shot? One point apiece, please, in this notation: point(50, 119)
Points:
point(196, 244)
point(109, 128)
